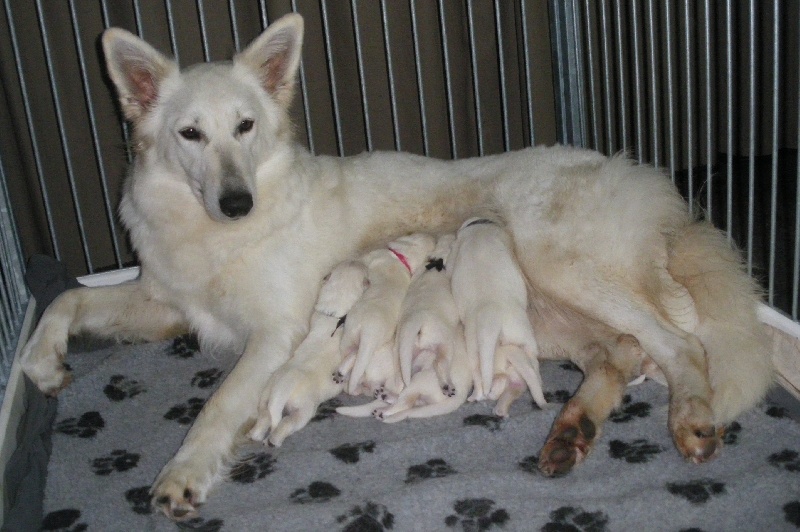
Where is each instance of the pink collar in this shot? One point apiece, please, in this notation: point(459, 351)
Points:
point(402, 258)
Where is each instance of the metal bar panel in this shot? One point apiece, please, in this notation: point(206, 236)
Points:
point(303, 90)
point(448, 81)
point(670, 91)
point(751, 165)
point(262, 10)
point(729, 115)
point(775, 138)
point(201, 13)
point(334, 94)
point(611, 145)
point(126, 135)
point(592, 86)
point(502, 64)
point(526, 51)
point(623, 99)
point(654, 75)
point(362, 82)
point(638, 85)
point(796, 263)
point(234, 24)
point(389, 66)
point(420, 83)
point(689, 105)
point(579, 91)
point(173, 41)
point(11, 245)
point(137, 17)
point(709, 108)
point(473, 55)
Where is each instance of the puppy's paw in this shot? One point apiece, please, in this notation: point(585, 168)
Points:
point(337, 377)
point(180, 490)
point(693, 430)
point(569, 443)
point(449, 390)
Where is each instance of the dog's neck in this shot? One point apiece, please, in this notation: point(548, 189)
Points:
point(403, 260)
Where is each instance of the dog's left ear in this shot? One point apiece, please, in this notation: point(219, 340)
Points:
point(275, 57)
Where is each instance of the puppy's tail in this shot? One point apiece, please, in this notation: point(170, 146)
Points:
point(725, 298)
point(407, 336)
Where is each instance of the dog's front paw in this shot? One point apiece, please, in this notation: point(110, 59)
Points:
point(178, 492)
point(693, 430)
point(42, 358)
point(569, 443)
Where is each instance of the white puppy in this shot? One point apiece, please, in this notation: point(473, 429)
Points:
point(381, 380)
point(372, 320)
point(429, 320)
point(492, 299)
point(297, 388)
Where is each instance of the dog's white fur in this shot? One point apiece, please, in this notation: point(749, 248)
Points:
point(492, 301)
point(590, 232)
point(429, 322)
point(297, 388)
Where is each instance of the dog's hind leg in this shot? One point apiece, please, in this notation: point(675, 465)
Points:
point(578, 425)
point(121, 312)
point(291, 423)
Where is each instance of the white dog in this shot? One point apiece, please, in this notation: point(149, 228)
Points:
point(492, 300)
point(234, 224)
point(429, 323)
point(373, 319)
point(294, 392)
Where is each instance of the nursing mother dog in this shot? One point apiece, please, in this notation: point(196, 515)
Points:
point(235, 225)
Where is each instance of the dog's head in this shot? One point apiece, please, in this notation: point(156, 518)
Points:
point(211, 125)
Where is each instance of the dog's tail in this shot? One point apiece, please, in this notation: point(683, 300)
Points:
point(407, 336)
point(364, 410)
point(725, 298)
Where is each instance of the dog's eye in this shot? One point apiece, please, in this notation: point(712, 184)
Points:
point(190, 133)
point(245, 126)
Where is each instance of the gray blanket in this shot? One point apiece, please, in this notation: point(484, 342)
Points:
point(130, 406)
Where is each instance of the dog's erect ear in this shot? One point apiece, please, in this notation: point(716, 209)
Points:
point(137, 70)
point(275, 57)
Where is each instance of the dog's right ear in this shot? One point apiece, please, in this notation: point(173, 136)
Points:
point(137, 70)
point(275, 57)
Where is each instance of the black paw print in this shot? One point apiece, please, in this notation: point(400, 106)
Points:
point(317, 491)
point(635, 452)
point(776, 411)
point(491, 422)
point(206, 378)
point(558, 396)
point(433, 468)
point(199, 524)
point(251, 468)
point(629, 410)
point(698, 491)
point(185, 413)
point(787, 459)
point(139, 499)
point(476, 514)
point(791, 511)
point(529, 464)
point(732, 431)
point(350, 453)
point(369, 517)
point(64, 521)
point(327, 409)
point(185, 346)
point(569, 519)
point(121, 387)
point(86, 426)
point(119, 460)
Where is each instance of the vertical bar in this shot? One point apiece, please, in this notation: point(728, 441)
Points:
point(709, 122)
point(502, 60)
point(689, 107)
point(670, 90)
point(87, 94)
point(654, 95)
point(420, 83)
point(37, 157)
point(473, 55)
point(637, 73)
point(557, 10)
point(526, 50)
point(592, 87)
point(123, 124)
point(448, 81)
point(796, 269)
point(262, 11)
point(729, 117)
point(334, 94)
point(137, 17)
point(579, 88)
point(8, 231)
point(623, 99)
point(568, 71)
point(201, 13)
point(392, 88)
point(610, 141)
point(63, 136)
point(362, 82)
point(234, 24)
point(303, 89)
point(751, 164)
point(775, 133)
point(173, 41)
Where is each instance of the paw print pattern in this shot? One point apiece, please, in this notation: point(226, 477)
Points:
point(64, 521)
point(433, 468)
point(635, 452)
point(206, 378)
point(491, 422)
point(369, 517)
point(185, 346)
point(787, 459)
point(629, 410)
point(86, 426)
point(529, 464)
point(120, 388)
point(698, 491)
point(557, 396)
point(350, 453)
point(731, 436)
point(185, 413)
point(119, 460)
point(139, 499)
point(317, 491)
point(569, 519)
point(198, 524)
point(776, 411)
point(476, 514)
point(253, 467)
point(791, 511)
point(327, 409)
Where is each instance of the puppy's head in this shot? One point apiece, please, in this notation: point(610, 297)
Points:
point(416, 248)
point(342, 287)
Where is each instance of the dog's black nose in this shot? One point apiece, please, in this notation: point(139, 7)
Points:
point(236, 204)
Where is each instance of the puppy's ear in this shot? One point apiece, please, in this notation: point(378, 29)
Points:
point(275, 57)
point(137, 70)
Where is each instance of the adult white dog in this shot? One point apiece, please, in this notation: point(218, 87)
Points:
point(234, 224)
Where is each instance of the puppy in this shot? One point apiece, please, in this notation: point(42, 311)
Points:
point(297, 388)
point(491, 297)
point(373, 319)
point(429, 320)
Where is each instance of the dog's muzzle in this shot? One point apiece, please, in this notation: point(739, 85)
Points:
point(236, 204)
